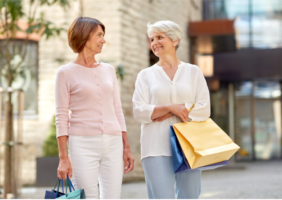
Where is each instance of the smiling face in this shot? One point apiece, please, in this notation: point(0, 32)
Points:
point(161, 44)
point(96, 41)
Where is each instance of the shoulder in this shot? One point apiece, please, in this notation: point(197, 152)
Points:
point(191, 69)
point(190, 66)
point(67, 68)
point(145, 72)
point(108, 66)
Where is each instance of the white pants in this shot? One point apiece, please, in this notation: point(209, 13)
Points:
point(96, 159)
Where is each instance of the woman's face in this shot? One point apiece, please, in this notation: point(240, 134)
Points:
point(96, 41)
point(161, 44)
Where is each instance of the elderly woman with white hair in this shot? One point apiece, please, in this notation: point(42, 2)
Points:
point(163, 94)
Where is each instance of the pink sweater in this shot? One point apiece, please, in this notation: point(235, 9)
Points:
point(92, 96)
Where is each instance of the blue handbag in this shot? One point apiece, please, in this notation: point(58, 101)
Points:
point(180, 163)
point(74, 194)
point(53, 194)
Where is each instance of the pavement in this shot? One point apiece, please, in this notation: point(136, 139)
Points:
point(248, 180)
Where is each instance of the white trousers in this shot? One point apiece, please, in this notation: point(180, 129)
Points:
point(97, 159)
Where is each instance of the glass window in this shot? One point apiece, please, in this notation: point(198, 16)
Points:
point(267, 128)
point(266, 117)
point(27, 76)
point(255, 19)
point(267, 89)
point(243, 117)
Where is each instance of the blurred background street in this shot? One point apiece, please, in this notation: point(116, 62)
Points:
point(251, 180)
point(237, 44)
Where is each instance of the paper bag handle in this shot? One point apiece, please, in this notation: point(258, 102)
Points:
point(192, 107)
point(189, 110)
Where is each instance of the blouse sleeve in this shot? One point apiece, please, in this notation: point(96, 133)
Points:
point(142, 109)
point(201, 112)
point(62, 97)
point(117, 104)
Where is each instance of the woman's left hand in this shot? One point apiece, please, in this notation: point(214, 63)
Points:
point(128, 160)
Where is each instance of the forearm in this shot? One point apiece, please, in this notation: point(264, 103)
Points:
point(125, 141)
point(62, 145)
point(160, 110)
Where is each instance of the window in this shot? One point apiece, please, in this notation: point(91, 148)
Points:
point(27, 78)
point(254, 20)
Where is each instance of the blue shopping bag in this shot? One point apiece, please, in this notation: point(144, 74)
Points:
point(180, 163)
point(53, 194)
point(74, 194)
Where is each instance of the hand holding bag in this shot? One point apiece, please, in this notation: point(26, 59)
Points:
point(204, 143)
point(53, 194)
point(74, 194)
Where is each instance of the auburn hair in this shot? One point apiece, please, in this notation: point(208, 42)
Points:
point(80, 30)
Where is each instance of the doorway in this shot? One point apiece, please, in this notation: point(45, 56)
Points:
point(258, 120)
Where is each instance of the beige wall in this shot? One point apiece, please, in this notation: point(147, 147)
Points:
point(126, 37)
point(135, 56)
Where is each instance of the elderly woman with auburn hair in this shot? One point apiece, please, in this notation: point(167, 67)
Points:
point(163, 94)
point(98, 148)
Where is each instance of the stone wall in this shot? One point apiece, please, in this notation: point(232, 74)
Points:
point(135, 54)
point(126, 37)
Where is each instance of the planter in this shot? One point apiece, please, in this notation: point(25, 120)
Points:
point(46, 171)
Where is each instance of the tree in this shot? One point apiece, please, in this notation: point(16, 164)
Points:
point(12, 60)
point(50, 147)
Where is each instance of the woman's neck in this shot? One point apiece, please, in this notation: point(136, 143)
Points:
point(169, 61)
point(86, 59)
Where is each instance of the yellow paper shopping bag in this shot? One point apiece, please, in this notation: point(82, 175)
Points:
point(204, 143)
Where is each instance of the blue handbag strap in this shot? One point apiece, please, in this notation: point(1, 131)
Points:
point(70, 183)
point(55, 188)
point(67, 188)
point(56, 184)
point(63, 185)
point(58, 188)
point(58, 180)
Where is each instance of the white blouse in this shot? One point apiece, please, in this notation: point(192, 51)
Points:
point(154, 87)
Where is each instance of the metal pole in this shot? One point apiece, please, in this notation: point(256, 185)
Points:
point(8, 189)
point(1, 139)
point(231, 114)
point(253, 118)
point(231, 110)
point(281, 120)
point(19, 141)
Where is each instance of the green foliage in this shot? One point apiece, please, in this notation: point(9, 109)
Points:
point(120, 72)
point(50, 147)
point(14, 11)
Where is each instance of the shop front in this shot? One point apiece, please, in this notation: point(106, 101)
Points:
point(246, 101)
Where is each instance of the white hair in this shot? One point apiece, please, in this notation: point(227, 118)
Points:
point(171, 29)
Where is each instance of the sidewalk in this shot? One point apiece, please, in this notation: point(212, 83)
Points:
point(254, 180)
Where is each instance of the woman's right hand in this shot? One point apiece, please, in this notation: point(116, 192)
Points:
point(179, 110)
point(64, 169)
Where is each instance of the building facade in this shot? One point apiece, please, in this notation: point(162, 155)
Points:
point(246, 101)
point(127, 46)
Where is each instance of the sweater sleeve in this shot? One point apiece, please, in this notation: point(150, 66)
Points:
point(142, 109)
point(117, 104)
point(201, 112)
point(62, 97)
